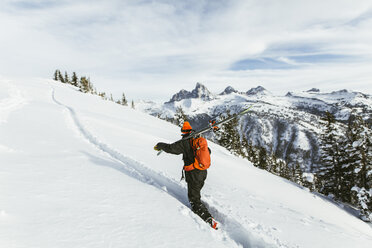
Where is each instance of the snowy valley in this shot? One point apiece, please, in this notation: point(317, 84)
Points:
point(78, 171)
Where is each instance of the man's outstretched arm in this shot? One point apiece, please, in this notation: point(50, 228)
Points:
point(175, 148)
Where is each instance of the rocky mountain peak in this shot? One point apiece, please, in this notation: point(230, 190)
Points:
point(257, 90)
point(200, 92)
point(313, 90)
point(340, 92)
point(228, 90)
point(289, 94)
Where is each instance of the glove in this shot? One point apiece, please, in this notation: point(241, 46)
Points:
point(156, 148)
point(159, 146)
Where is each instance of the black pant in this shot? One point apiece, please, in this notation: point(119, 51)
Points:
point(195, 182)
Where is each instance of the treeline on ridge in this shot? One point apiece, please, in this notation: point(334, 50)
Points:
point(85, 85)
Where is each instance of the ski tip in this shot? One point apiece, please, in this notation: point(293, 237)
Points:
point(246, 110)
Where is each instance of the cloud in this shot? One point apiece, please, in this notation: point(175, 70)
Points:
point(262, 63)
point(131, 45)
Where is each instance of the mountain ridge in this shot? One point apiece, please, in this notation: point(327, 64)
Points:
point(275, 122)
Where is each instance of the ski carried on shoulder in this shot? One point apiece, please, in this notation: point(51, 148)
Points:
point(210, 127)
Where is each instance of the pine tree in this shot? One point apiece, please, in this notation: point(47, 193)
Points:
point(360, 151)
point(74, 80)
point(348, 169)
point(90, 86)
point(262, 161)
point(275, 169)
point(124, 100)
point(103, 95)
point(284, 170)
point(361, 140)
point(180, 116)
point(66, 79)
point(271, 162)
point(250, 151)
point(331, 173)
point(236, 142)
point(60, 77)
point(309, 181)
point(229, 137)
point(85, 85)
point(255, 155)
point(297, 174)
point(363, 202)
point(245, 146)
point(55, 78)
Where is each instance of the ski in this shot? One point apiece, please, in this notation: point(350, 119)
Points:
point(210, 127)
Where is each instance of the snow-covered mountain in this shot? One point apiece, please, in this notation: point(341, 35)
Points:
point(200, 92)
point(287, 126)
point(77, 171)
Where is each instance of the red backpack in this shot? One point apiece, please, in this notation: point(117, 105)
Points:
point(201, 153)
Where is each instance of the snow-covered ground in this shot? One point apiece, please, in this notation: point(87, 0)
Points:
point(77, 171)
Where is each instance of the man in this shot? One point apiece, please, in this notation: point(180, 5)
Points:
point(194, 177)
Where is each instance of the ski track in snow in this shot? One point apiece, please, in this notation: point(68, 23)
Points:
point(230, 227)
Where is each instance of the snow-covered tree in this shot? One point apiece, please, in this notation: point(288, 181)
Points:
point(284, 170)
point(363, 202)
point(360, 151)
point(297, 174)
point(245, 146)
point(330, 174)
point(228, 135)
point(180, 116)
point(309, 180)
point(248, 149)
point(361, 138)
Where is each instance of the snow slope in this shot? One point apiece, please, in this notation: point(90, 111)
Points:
point(77, 171)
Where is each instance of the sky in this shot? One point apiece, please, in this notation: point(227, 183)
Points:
point(152, 49)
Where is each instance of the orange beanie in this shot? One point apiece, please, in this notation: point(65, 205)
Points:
point(186, 127)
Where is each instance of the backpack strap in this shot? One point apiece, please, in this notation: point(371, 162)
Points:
point(191, 166)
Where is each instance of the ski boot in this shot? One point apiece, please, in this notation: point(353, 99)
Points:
point(212, 223)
